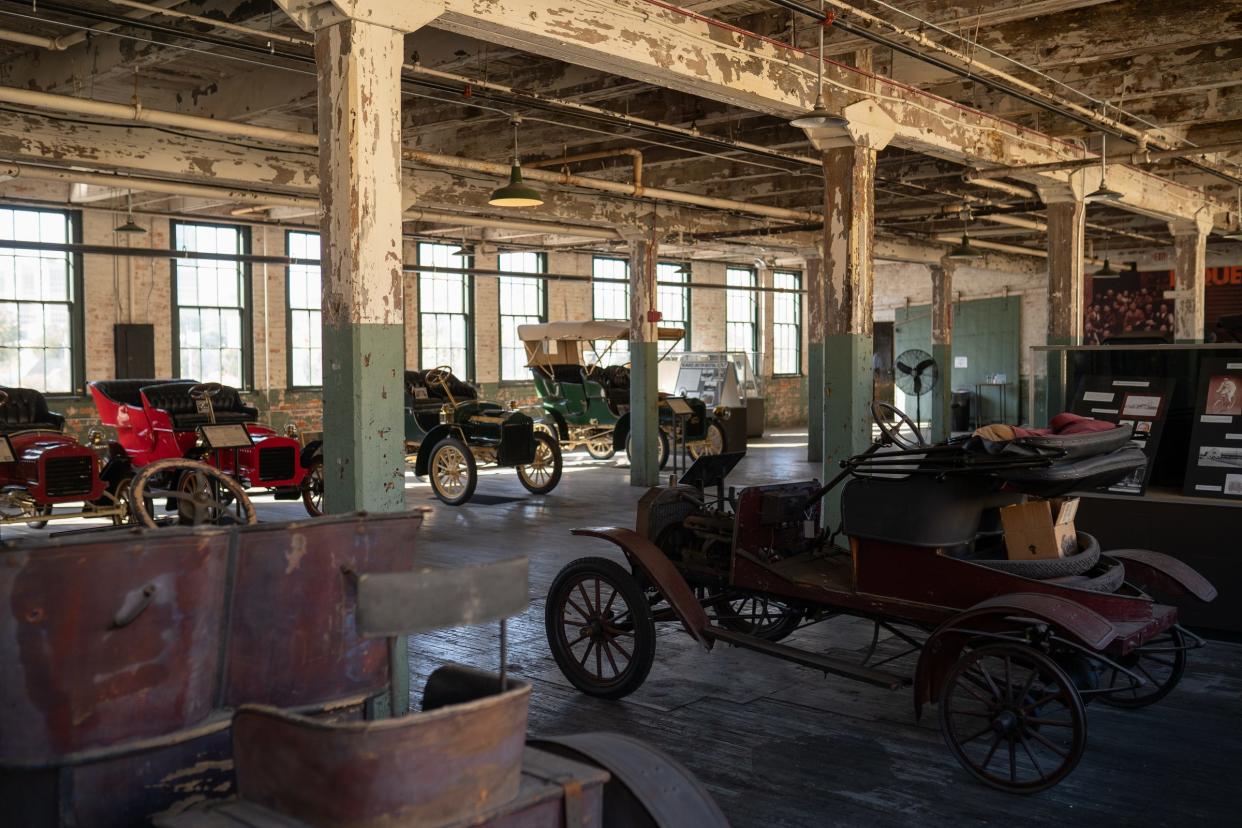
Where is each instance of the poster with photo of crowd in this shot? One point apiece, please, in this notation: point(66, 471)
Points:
point(1214, 465)
point(1134, 304)
point(1141, 404)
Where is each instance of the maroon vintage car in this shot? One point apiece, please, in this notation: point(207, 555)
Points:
point(1009, 650)
point(42, 467)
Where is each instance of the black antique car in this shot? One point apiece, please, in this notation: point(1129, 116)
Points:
point(449, 431)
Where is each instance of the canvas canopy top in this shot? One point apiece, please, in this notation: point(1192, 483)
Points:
point(588, 329)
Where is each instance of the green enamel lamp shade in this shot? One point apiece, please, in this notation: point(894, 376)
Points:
point(516, 193)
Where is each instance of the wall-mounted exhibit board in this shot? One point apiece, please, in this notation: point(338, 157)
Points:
point(1142, 403)
point(1214, 461)
point(987, 336)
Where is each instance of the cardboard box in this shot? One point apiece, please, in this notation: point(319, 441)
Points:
point(1040, 529)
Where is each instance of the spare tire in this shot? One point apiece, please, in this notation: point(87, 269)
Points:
point(1107, 576)
point(1046, 568)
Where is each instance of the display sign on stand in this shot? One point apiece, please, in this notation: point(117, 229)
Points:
point(1142, 404)
point(1214, 463)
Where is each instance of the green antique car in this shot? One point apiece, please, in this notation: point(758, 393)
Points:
point(586, 402)
point(449, 431)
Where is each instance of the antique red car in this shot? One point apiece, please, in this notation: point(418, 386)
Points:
point(41, 466)
point(1010, 650)
point(161, 419)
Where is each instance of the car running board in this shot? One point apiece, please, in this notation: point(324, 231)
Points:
point(806, 658)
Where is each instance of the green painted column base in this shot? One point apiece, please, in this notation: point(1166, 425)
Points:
point(815, 403)
point(644, 414)
point(942, 395)
point(363, 418)
point(847, 407)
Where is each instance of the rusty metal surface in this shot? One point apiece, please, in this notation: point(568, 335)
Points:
point(1163, 572)
point(293, 636)
point(429, 768)
point(648, 787)
point(400, 603)
point(73, 679)
point(660, 571)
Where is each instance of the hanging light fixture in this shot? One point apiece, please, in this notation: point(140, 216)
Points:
point(819, 117)
point(462, 251)
point(1236, 232)
point(683, 269)
point(130, 226)
point(516, 193)
point(1103, 193)
point(1106, 272)
point(964, 251)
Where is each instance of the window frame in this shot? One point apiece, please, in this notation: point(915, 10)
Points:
point(614, 351)
point(75, 261)
point(289, 311)
point(246, 288)
point(752, 289)
point(686, 302)
point(467, 304)
point(777, 298)
point(540, 278)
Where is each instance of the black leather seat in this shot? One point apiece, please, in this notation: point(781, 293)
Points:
point(435, 391)
point(174, 398)
point(126, 391)
point(26, 410)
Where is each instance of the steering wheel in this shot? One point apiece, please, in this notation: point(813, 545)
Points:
point(880, 412)
point(440, 376)
point(204, 390)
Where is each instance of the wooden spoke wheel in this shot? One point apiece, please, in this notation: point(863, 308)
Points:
point(756, 615)
point(713, 442)
point(599, 628)
point(664, 447)
point(544, 471)
point(312, 487)
point(453, 471)
point(204, 495)
point(120, 495)
point(1161, 662)
point(1013, 718)
point(601, 447)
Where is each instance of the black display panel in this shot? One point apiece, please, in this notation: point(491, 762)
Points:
point(1214, 462)
point(1139, 402)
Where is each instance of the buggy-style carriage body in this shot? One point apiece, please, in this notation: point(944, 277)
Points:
point(586, 402)
point(41, 466)
point(1009, 650)
point(449, 431)
point(163, 419)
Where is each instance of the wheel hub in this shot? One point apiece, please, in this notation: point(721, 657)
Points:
point(1007, 722)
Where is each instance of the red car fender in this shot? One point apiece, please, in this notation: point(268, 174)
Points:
point(945, 644)
point(1163, 573)
point(646, 556)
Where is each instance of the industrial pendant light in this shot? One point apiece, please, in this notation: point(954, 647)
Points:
point(462, 251)
point(1106, 272)
point(964, 251)
point(516, 193)
point(1103, 193)
point(130, 226)
point(683, 269)
point(819, 117)
point(1236, 232)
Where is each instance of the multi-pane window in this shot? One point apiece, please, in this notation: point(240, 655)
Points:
point(36, 302)
point(674, 300)
point(305, 314)
point(611, 300)
point(522, 302)
point(786, 323)
point(742, 313)
point(444, 310)
point(210, 304)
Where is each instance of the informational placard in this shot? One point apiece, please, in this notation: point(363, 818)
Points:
point(1141, 404)
point(679, 407)
point(226, 436)
point(6, 450)
point(1214, 464)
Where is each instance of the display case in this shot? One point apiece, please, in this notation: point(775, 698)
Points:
point(723, 378)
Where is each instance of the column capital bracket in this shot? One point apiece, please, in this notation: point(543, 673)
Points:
point(1200, 225)
point(1074, 188)
point(868, 126)
point(406, 16)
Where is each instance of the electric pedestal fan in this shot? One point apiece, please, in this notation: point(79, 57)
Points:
point(916, 374)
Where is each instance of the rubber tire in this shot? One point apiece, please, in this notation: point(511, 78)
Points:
point(1179, 669)
point(664, 448)
point(557, 466)
point(1106, 576)
point(644, 626)
point(472, 471)
point(775, 632)
point(1042, 570)
point(308, 498)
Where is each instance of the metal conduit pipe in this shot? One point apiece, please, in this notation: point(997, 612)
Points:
point(74, 38)
point(635, 154)
point(436, 217)
point(29, 39)
point(452, 162)
point(1001, 186)
point(211, 21)
point(950, 238)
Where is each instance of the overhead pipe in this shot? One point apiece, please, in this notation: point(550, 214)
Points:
point(950, 238)
point(1000, 186)
point(215, 23)
point(26, 39)
point(74, 38)
point(635, 154)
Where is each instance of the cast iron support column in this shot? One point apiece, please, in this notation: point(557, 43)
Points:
point(1190, 257)
point(942, 348)
point(814, 354)
point(644, 364)
point(1066, 249)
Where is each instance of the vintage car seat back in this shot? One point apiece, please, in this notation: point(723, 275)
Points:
point(435, 391)
point(124, 391)
point(174, 399)
point(26, 410)
point(921, 510)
